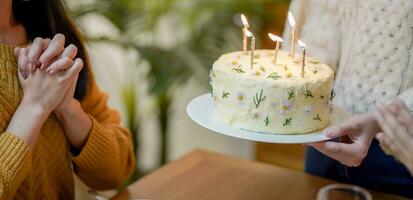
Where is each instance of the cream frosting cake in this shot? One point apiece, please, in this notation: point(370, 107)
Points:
point(272, 98)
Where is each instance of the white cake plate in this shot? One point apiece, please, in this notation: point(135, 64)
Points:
point(200, 110)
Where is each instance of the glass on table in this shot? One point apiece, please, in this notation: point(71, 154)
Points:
point(343, 192)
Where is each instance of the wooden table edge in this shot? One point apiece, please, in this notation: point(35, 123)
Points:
point(197, 156)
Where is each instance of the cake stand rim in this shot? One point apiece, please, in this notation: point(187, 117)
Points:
point(199, 110)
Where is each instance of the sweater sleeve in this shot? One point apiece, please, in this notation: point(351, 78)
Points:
point(407, 94)
point(407, 97)
point(318, 26)
point(106, 159)
point(14, 164)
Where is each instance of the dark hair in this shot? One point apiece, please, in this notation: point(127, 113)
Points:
point(46, 18)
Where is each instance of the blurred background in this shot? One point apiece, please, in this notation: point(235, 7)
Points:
point(154, 56)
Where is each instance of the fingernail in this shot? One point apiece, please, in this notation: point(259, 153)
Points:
point(24, 74)
point(328, 131)
point(42, 65)
point(30, 66)
point(38, 64)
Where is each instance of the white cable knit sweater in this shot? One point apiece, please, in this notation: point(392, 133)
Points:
point(368, 43)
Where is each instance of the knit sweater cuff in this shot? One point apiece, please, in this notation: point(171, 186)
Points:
point(14, 156)
point(96, 148)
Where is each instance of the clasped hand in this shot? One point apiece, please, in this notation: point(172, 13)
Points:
point(48, 73)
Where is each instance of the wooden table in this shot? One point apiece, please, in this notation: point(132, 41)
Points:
point(206, 175)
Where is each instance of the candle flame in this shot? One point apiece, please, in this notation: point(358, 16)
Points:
point(248, 33)
point(275, 38)
point(291, 19)
point(244, 20)
point(301, 44)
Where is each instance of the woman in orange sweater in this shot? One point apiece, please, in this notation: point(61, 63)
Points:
point(54, 121)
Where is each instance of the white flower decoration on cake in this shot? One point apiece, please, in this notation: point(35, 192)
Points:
point(241, 98)
point(286, 106)
point(308, 109)
point(237, 56)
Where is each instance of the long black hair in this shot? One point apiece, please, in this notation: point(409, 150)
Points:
point(46, 18)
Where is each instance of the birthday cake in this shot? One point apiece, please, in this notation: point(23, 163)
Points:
point(262, 96)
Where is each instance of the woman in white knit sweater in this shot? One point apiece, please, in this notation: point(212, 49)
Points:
point(369, 44)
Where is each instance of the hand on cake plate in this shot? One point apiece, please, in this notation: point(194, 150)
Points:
point(396, 138)
point(355, 135)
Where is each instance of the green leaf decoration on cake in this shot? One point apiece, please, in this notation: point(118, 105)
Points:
point(332, 95)
point(238, 69)
point(291, 94)
point(267, 121)
point(258, 98)
point(308, 94)
point(274, 76)
point(317, 118)
point(225, 94)
point(287, 121)
point(285, 67)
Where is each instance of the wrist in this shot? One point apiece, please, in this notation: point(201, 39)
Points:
point(67, 108)
point(34, 109)
point(27, 122)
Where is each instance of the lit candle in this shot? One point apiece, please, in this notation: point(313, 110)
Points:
point(249, 34)
point(277, 41)
point(302, 47)
point(293, 33)
point(246, 26)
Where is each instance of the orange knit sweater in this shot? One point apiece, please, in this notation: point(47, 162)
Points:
point(46, 172)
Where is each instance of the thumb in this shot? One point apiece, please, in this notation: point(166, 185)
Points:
point(72, 88)
point(334, 131)
point(76, 68)
point(380, 136)
point(342, 129)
